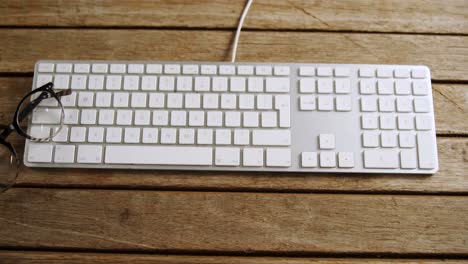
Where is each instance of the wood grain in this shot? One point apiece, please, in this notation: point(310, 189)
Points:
point(430, 16)
point(154, 221)
point(34, 257)
point(445, 55)
point(450, 103)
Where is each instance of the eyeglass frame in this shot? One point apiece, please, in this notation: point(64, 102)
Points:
point(47, 90)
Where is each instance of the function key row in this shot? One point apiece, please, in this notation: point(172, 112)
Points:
point(418, 73)
point(189, 69)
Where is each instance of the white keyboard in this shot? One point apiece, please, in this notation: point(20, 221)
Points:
point(240, 116)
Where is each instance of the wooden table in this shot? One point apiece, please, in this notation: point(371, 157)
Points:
point(118, 216)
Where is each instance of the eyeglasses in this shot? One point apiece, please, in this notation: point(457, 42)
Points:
point(44, 107)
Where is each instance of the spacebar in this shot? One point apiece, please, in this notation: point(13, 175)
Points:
point(155, 155)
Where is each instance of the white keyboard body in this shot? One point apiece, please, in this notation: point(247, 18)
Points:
point(241, 117)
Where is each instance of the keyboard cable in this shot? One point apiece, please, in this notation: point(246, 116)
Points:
point(239, 27)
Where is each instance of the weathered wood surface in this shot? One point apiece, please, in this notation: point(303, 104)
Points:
point(34, 257)
point(445, 55)
point(233, 222)
point(430, 16)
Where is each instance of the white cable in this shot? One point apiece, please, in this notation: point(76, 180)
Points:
point(239, 27)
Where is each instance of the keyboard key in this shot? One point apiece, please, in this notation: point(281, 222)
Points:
point(327, 159)
point(307, 85)
point(386, 104)
point(255, 84)
point(227, 70)
point(214, 118)
point(78, 134)
point(136, 68)
point(345, 160)
point(278, 157)
point(89, 154)
point(282, 103)
point(343, 103)
point(264, 101)
point(46, 67)
point(306, 71)
point(281, 70)
point(220, 84)
point(202, 84)
point(402, 73)
point(325, 103)
point(131, 82)
point(385, 86)
point(367, 86)
point(233, 119)
point(368, 104)
point(184, 83)
point(251, 119)
point(369, 121)
point(121, 99)
point(118, 68)
point(192, 100)
point(237, 84)
point(246, 101)
point(138, 100)
point(99, 68)
point(81, 68)
point(263, 70)
point(113, 82)
point(196, 118)
point(381, 159)
point(422, 105)
point(223, 137)
point(324, 71)
point(78, 82)
point(88, 116)
point(252, 157)
point(64, 154)
point(307, 102)
point(426, 150)
point(208, 69)
point(387, 122)
point(172, 69)
point(96, 134)
point(366, 72)
point(241, 137)
point(402, 87)
point(175, 100)
point(309, 159)
point(178, 118)
point(384, 73)
point(46, 78)
point(106, 117)
point(187, 136)
point(210, 101)
point(405, 122)
point(166, 83)
point(190, 69)
point(420, 87)
point(85, 99)
point(327, 141)
point(419, 73)
point(45, 115)
point(245, 70)
point(388, 139)
point(370, 139)
point(132, 135)
point(342, 86)
point(227, 156)
point(158, 155)
point(404, 104)
point(268, 137)
point(423, 122)
point(124, 117)
point(160, 118)
point(406, 139)
point(228, 101)
point(277, 85)
point(342, 72)
point(61, 81)
point(269, 119)
point(114, 135)
point(408, 159)
point(325, 86)
point(205, 136)
point(149, 83)
point(149, 135)
point(168, 135)
point(40, 152)
point(154, 68)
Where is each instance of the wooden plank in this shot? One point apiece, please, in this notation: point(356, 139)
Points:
point(155, 221)
point(430, 16)
point(450, 103)
point(445, 55)
point(35, 257)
